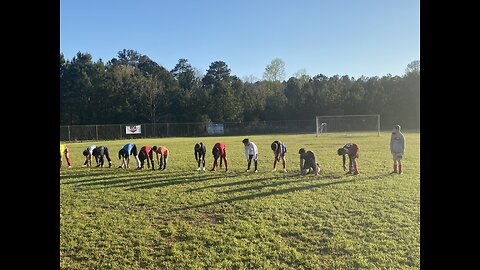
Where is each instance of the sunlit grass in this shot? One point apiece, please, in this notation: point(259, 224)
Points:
point(185, 219)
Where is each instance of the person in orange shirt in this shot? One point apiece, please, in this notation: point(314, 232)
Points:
point(162, 160)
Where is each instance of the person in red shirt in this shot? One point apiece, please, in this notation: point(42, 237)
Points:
point(219, 151)
point(352, 150)
point(146, 153)
point(162, 160)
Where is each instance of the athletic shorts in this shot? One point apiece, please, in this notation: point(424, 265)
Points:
point(397, 156)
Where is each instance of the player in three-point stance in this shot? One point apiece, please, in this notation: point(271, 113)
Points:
point(200, 150)
point(279, 150)
point(219, 150)
point(125, 153)
point(352, 150)
point(251, 152)
point(146, 153)
point(308, 162)
point(162, 156)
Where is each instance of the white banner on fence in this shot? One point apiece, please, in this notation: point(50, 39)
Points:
point(215, 129)
point(133, 129)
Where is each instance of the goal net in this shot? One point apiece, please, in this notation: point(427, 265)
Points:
point(347, 124)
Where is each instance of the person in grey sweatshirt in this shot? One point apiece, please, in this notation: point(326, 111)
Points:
point(397, 148)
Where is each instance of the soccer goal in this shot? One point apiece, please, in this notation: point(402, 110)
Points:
point(347, 124)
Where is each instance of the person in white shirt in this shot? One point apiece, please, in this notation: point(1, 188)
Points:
point(251, 152)
point(88, 156)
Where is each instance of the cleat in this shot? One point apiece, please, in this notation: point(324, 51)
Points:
point(274, 170)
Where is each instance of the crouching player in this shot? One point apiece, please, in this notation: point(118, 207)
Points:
point(161, 151)
point(352, 150)
point(279, 149)
point(200, 150)
point(99, 153)
point(251, 152)
point(308, 162)
point(125, 153)
point(219, 151)
point(88, 156)
point(146, 153)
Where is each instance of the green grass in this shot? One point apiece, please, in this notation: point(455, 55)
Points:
point(184, 219)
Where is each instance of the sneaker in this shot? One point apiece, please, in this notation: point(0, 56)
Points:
point(256, 170)
point(274, 170)
point(285, 170)
point(247, 170)
point(69, 166)
point(204, 168)
point(198, 169)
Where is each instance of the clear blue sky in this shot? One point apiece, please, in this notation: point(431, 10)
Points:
point(344, 37)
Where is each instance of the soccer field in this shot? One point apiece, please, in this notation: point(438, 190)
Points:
point(186, 219)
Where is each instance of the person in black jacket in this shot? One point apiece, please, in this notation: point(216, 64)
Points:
point(99, 152)
point(200, 150)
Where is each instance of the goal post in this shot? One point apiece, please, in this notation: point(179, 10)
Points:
point(347, 123)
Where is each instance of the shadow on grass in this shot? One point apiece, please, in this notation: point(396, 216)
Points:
point(278, 191)
point(249, 181)
point(179, 181)
point(137, 183)
point(118, 174)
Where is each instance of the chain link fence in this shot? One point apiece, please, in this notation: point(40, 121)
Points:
point(158, 130)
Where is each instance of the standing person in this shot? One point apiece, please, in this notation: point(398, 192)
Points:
point(88, 156)
point(279, 149)
point(308, 162)
point(124, 155)
point(352, 150)
point(219, 150)
point(162, 160)
point(99, 153)
point(200, 150)
point(323, 127)
point(65, 152)
point(397, 148)
point(146, 153)
point(251, 152)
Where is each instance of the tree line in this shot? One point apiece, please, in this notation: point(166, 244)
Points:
point(132, 88)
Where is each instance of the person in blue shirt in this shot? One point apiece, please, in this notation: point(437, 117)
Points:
point(125, 153)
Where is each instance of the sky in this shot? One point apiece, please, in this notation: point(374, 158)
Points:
point(337, 37)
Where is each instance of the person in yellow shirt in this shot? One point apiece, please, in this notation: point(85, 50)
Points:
point(65, 152)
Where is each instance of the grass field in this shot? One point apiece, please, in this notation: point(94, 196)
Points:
point(185, 219)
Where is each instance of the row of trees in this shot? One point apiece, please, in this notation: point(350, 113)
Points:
point(132, 88)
